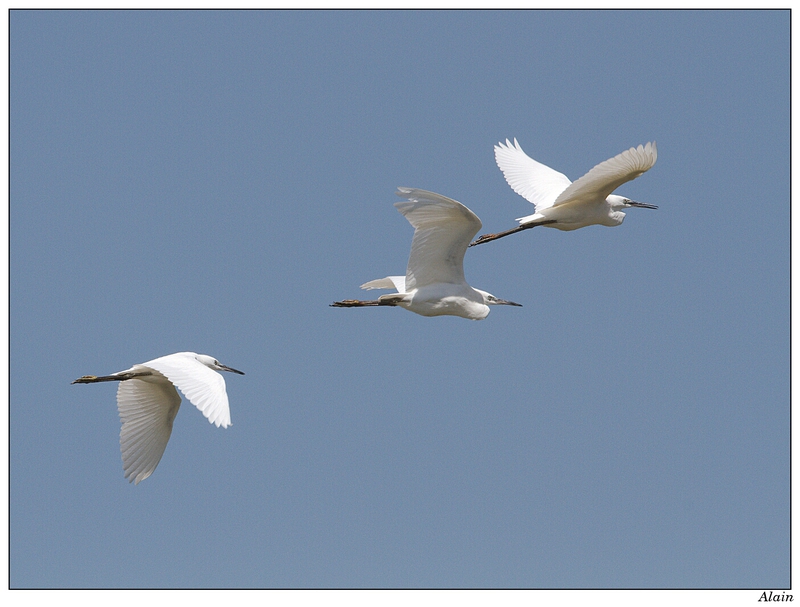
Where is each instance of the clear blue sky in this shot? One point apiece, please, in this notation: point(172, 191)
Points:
point(211, 181)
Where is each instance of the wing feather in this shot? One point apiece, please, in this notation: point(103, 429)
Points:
point(443, 228)
point(390, 282)
point(532, 180)
point(201, 386)
point(607, 176)
point(147, 407)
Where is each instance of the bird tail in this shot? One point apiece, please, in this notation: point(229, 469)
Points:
point(390, 282)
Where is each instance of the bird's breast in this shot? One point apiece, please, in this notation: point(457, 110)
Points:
point(448, 300)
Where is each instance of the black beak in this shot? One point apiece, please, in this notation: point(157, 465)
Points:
point(641, 205)
point(224, 368)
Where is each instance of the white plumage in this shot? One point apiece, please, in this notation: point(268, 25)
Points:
point(148, 401)
point(567, 205)
point(434, 284)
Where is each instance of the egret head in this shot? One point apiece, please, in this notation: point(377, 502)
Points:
point(213, 363)
point(615, 206)
point(491, 300)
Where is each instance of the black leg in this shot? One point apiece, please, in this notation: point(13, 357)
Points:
point(526, 226)
point(354, 303)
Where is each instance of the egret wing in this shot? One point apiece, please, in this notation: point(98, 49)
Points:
point(609, 175)
point(443, 228)
point(532, 180)
point(201, 386)
point(147, 407)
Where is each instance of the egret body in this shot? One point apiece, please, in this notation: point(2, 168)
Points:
point(563, 204)
point(434, 284)
point(147, 401)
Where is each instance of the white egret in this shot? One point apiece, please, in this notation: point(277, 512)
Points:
point(148, 402)
point(563, 204)
point(434, 284)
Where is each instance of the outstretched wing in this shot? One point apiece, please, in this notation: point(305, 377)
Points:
point(609, 175)
point(532, 180)
point(147, 408)
point(443, 228)
point(201, 386)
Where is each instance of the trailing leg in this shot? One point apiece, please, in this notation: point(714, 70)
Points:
point(121, 376)
point(524, 226)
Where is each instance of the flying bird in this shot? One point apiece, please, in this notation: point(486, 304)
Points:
point(434, 284)
point(148, 402)
point(563, 204)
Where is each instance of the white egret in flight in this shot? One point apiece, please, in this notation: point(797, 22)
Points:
point(148, 403)
point(563, 204)
point(434, 284)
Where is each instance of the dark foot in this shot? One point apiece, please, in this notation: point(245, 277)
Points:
point(490, 237)
point(486, 238)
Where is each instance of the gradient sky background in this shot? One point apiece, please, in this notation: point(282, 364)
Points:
point(211, 181)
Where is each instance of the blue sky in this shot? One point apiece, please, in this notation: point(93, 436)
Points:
point(212, 181)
